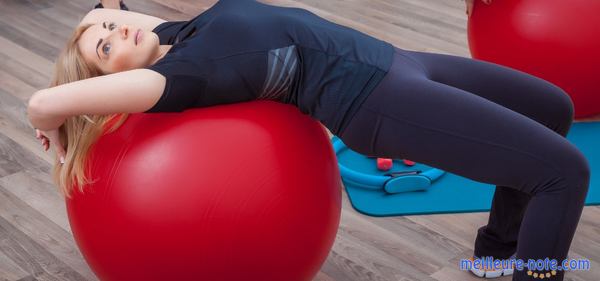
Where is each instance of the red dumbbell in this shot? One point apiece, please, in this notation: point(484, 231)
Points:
point(384, 164)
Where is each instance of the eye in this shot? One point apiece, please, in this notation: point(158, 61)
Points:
point(112, 26)
point(106, 48)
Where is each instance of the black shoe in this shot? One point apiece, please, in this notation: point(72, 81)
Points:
point(123, 6)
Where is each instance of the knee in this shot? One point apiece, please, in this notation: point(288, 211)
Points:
point(562, 109)
point(576, 172)
point(567, 106)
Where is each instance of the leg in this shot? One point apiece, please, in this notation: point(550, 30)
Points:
point(411, 116)
point(531, 96)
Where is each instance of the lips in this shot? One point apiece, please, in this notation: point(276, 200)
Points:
point(138, 35)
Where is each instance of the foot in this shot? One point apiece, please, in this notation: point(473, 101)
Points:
point(490, 272)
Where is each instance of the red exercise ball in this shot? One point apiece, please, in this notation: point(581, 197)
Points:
point(556, 40)
point(244, 191)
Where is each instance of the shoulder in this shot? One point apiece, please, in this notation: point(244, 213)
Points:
point(182, 84)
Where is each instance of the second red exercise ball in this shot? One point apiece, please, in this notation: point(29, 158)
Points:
point(556, 40)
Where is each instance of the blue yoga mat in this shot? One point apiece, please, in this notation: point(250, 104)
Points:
point(452, 193)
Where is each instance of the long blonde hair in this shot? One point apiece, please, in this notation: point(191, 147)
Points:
point(78, 133)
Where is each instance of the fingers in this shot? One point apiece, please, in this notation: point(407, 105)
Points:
point(470, 4)
point(60, 153)
point(48, 138)
point(469, 7)
point(45, 144)
point(42, 138)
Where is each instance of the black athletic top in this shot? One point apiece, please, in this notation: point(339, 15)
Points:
point(242, 50)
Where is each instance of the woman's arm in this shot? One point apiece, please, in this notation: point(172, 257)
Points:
point(124, 92)
point(146, 22)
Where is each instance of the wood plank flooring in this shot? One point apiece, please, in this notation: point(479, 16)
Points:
point(36, 242)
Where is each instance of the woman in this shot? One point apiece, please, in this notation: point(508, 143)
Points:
point(480, 120)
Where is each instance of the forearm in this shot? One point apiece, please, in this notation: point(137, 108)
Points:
point(40, 118)
point(130, 91)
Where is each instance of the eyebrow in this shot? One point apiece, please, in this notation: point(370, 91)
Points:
point(100, 41)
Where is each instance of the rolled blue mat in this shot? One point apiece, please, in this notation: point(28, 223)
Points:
point(452, 193)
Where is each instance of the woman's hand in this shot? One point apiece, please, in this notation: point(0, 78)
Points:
point(469, 4)
point(51, 137)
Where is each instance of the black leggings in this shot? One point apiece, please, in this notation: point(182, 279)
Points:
point(491, 124)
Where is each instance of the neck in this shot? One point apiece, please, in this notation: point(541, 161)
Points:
point(162, 51)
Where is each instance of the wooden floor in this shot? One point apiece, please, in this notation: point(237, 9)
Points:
point(36, 242)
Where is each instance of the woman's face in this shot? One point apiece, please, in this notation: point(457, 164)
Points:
point(114, 48)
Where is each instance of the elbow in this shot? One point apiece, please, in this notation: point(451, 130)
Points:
point(34, 105)
point(35, 109)
point(41, 114)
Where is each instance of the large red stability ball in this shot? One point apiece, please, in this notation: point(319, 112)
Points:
point(245, 191)
point(556, 40)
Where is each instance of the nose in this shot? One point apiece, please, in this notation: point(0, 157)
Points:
point(124, 31)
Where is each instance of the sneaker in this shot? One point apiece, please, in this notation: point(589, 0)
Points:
point(491, 272)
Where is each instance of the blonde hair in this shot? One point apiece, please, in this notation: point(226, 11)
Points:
point(78, 133)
